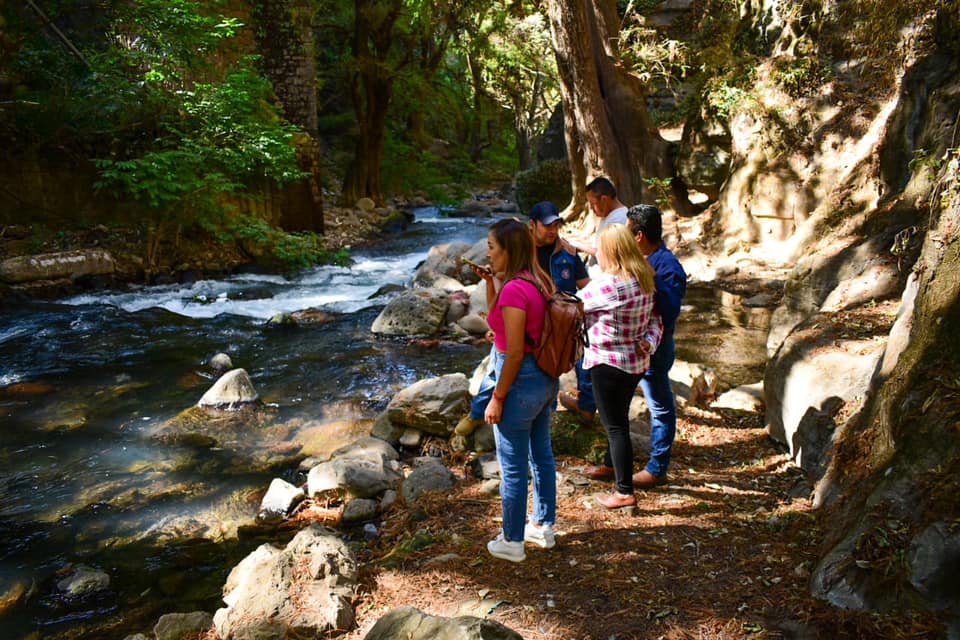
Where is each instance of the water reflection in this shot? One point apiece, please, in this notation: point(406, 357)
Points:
point(715, 328)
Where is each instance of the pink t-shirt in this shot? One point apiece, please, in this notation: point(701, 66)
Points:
point(519, 294)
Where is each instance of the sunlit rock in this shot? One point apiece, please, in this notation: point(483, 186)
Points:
point(220, 362)
point(50, 266)
point(175, 626)
point(412, 624)
point(311, 581)
point(280, 499)
point(413, 312)
point(232, 390)
point(433, 405)
point(360, 474)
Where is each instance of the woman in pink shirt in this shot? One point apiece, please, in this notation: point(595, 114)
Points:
point(620, 314)
point(523, 397)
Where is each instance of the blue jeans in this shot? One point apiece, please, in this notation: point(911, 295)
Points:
point(479, 403)
point(585, 398)
point(523, 438)
point(663, 410)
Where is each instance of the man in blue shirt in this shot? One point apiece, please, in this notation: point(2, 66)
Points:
point(646, 224)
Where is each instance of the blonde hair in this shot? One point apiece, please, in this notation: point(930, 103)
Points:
point(624, 258)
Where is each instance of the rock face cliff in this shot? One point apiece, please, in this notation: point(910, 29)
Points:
point(854, 175)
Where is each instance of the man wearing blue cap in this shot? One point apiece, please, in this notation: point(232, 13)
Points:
point(569, 274)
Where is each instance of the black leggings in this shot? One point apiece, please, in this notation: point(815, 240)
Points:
point(613, 389)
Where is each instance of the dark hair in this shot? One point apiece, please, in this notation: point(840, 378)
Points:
point(515, 238)
point(646, 218)
point(602, 187)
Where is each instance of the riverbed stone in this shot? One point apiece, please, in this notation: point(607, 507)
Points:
point(412, 624)
point(442, 260)
point(426, 478)
point(51, 266)
point(746, 397)
point(360, 510)
point(413, 312)
point(280, 498)
point(366, 445)
point(311, 584)
point(433, 405)
point(474, 324)
point(180, 626)
point(220, 363)
point(82, 581)
point(231, 390)
point(361, 475)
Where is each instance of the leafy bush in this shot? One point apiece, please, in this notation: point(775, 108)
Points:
point(548, 181)
point(800, 76)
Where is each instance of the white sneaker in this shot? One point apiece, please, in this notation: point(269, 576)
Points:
point(541, 536)
point(506, 549)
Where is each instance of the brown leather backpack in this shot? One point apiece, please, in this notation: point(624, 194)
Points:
point(564, 334)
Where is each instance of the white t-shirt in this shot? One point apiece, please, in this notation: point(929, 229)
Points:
point(617, 216)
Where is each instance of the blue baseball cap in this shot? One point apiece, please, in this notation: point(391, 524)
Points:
point(545, 212)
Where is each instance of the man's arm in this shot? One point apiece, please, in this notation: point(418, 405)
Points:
point(670, 290)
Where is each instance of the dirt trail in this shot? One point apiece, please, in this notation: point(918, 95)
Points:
point(721, 551)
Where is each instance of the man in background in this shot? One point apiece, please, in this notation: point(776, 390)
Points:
point(606, 206)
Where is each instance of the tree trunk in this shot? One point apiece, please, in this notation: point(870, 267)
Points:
point(607, 127)
point(285, 41)
point(371, 90)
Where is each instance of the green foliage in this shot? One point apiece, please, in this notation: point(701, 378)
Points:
point(652, 57)
point(224, 134)
point(548, 181)
point(661, 188)
point(290, 251)
point(800, 76)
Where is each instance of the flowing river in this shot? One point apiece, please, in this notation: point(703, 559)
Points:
point(84, 380)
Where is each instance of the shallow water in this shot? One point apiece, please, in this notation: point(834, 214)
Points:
point(85, 381)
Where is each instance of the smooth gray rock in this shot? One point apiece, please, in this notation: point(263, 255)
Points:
point(176, 626)
point(280, 498)
point(231, 390)
point(433, 405)
point(427, 477)
point(82, 581)
point(412, 624)
point(51, 266)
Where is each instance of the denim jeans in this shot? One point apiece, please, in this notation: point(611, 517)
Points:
point(523, 438)
point(615, 389)
point(479, 403)
point(585, 398)
point(663, 409)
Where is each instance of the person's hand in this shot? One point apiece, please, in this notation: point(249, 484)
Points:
point(643, 348)
point(494, 412)
point(483, 272)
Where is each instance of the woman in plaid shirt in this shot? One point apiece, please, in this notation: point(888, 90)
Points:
point(624, 329)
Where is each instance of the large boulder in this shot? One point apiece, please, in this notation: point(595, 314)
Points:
point(442, 260)
point(416, 312)
point(303, 590)
point(816, 377)
point(412, 624)
point(52, 266)
point(360, 474)
point(433, 405)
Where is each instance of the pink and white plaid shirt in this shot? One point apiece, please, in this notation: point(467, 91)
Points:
point(618, 315)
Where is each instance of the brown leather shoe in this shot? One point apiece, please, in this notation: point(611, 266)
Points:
point(569, 402)
point(646, 480)
point(598, 472)
point(616, 500)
